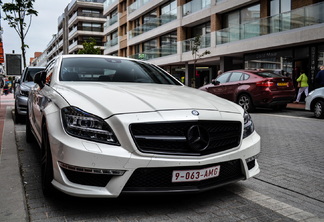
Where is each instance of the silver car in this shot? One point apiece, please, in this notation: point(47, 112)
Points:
point(22, 88)
point(315, 102)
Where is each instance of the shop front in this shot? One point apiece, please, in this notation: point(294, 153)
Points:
point(289, 61)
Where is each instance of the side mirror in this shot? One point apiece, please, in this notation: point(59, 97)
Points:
point(17, 81)
point(215, 82)
point(40, 78)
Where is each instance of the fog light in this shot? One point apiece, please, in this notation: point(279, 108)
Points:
point(92, 170)
point(251, 158)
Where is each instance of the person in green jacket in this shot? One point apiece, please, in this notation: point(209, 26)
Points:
point(303, 86)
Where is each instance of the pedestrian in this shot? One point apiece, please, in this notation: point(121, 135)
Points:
point(219, 73)
point(320, 77)
point(303, 79)
point(5, 89)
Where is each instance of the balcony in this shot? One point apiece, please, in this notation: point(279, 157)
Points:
point(108, 3)
point(136, 5)
point(153, 23)
point(111, 43)
point(80, 42)
point(298, 18)
point(73, 31)
point(194, 6)
point(156, 53)
point(74, 1)
point(111, 21)
point(188, 44)
point(60, 19)
point(85, 14)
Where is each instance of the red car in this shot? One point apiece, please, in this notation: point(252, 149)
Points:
point(253, 88)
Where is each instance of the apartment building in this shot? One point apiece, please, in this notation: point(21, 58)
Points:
point(281, 35)
point(80, 21)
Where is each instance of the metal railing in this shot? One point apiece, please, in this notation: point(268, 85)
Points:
point(298, 18)
point(156, 53)
point(111, 21)
point(153, 23)
point(111, 43)
point(194, 6)
point(188, 43)
point(136, 5)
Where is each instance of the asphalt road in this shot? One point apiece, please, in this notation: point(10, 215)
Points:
point(289, 188)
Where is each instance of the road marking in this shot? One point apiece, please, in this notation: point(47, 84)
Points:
point(284, 116)
point(275, 205)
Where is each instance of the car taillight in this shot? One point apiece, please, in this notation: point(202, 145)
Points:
point(264, 83)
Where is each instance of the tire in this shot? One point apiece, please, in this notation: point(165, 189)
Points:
point(18, 117)
point(319, 109)
point(246, 103)
point(29, 134)
point(46, 164)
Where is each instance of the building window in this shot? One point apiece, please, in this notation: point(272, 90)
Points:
point(169, 40)
point(91, 27)
point(279, 6)
point(241, 16)
point(149, 16)
point(149, 45)
point(137, 48)
point(203, 29)
point(136, 23)
point(169, 8)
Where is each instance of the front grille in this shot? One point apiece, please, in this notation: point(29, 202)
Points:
point(99, 180)
point(159, 179)
point(172, 137)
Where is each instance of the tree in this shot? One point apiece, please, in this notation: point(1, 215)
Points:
point(89, 47)
point(16, 13)
point(195, 51)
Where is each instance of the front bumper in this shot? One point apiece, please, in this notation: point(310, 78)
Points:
point(139, 166)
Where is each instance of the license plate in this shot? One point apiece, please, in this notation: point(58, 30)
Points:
point(281, 84)
point(195, 175)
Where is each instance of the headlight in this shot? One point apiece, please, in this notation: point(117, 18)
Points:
point(23, 91)
point(248, 125)
point(81, 124)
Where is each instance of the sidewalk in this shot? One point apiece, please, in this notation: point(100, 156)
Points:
point(300, 106)
point(12, 195)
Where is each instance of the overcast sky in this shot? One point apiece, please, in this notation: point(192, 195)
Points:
point(42, 28)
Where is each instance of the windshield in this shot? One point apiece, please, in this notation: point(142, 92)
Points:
point(112, 70)
point(29, 77)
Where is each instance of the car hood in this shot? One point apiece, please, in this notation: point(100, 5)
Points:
point(106, 99)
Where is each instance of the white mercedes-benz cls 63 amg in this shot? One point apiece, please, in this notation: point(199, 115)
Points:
point(109, 125)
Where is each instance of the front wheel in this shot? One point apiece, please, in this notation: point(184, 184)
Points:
point(46, 164)
point(246, 103)
point(18, 117)
point(318, 109)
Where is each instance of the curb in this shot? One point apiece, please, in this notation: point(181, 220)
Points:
point(12, 194)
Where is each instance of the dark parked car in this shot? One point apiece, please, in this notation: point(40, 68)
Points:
point(22, 88)
point(253, 88)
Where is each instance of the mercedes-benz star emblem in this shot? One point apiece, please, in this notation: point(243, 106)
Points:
point(198, 138)
point(195, 112)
